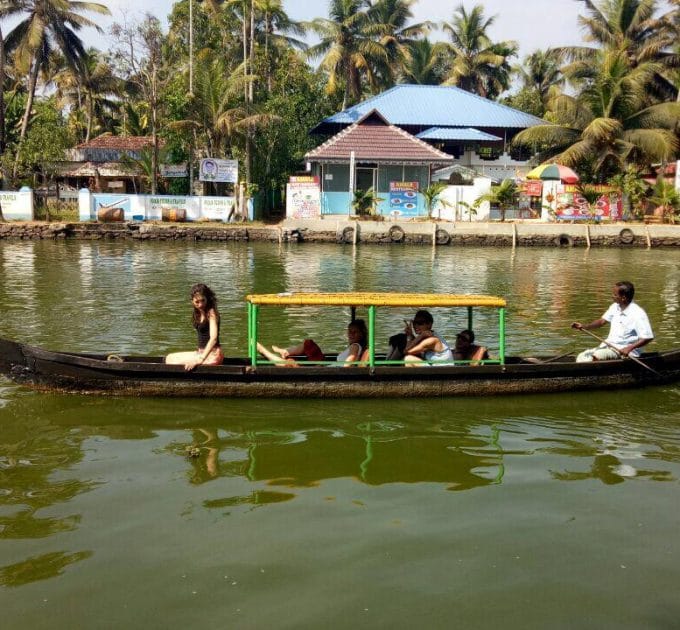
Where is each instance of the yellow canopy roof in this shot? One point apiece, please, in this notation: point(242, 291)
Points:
point(376, 299)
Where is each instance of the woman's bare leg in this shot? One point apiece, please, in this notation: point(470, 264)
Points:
point(269, 355)
point(180, 358)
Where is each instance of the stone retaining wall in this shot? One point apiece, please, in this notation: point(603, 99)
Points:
point(366, 233)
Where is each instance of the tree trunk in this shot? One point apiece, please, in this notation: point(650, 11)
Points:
point(249, 155)
point(32, 82)
point(88, 131)
point(2, 95)
point(252, 49)
point(267, 60)
point(2, 113)
point(154, 132)
point(245, 53)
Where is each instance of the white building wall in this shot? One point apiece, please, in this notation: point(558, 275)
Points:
point(502, 168)
point(450, 203)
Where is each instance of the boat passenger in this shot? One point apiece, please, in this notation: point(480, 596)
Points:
point(424, 345)
point(206, 320)
point(629, 327)
point(397, 346)
point(357, 335)
point(467, 350)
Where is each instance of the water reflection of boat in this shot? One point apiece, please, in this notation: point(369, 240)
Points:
point(372, 377)
point(461, 461)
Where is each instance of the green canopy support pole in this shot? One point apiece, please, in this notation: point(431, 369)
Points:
point(470, 318)
point(371, 337)
point(501, 335)
point(353, 313)
point(252, 333)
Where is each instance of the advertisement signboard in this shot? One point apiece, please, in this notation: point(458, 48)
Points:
point(174, 170)
point(403, 199)
point(17, 206)
point(303, 197)
point(215, 170)
point(532, 188)
point(571, 206)
point(216, 208)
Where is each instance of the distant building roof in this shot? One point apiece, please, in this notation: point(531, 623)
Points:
point(107, 148)
point(373, 139)
point(121, 143)
point(457, 133)
point(94, 169)
point(433, 106)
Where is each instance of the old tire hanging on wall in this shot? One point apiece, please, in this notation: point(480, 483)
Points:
point(396, 233)
point(442, 237)
point(347, 235)
point(626, 236)
point(564, 240)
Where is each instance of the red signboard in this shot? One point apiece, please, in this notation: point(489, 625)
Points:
point(532, 188)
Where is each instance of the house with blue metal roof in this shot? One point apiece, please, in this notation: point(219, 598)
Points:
point(474, 130)
point(471, 131)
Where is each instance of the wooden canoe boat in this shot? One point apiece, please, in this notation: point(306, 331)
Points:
point(373, 377)
point(149, 376)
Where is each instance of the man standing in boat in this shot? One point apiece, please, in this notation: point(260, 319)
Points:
point(629, 327)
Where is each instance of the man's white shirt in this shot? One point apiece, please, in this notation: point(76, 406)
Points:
point(628, 325)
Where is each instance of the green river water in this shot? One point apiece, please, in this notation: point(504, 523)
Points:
point(556, 511)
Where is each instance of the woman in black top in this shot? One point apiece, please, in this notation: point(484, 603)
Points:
point(206, 321)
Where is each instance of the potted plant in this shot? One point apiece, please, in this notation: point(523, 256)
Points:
point(591, 196)
point(432, 195)
point(365, 202)
point(503, 196)
point(633, 190)
point(666, 199)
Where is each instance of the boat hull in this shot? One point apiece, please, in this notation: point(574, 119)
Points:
point(149, 376)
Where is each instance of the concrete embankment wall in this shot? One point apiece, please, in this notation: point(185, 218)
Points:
point(444, 234)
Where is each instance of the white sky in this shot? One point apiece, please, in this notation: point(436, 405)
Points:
point(532, 23)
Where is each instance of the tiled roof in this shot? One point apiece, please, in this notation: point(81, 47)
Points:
point(436, 106)
point(457, 133)
point(373, 140)
point(129, 143)
point(92, 169)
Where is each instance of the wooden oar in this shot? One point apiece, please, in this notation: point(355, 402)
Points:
point(609, 345)
point(549, 359)
point(558, 357)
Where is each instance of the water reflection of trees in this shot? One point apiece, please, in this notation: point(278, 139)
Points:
point(37, 568)
point(32, 454)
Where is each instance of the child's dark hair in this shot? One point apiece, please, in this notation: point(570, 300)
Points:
point(424, 316)
point(360, 325)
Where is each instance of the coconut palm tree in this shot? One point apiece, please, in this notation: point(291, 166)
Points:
point(609, 124)
point(349, 54)
point(48, 24)
point(478, 65)
point(634, 28)
point(388, 24)
point(216, 113)
point(278, 30)
point(541, 72)
point(426, 64)
point(93, 92)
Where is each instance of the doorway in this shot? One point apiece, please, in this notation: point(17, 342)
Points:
point(366, 178)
